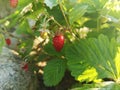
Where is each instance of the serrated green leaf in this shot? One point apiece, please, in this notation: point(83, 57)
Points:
point(100, 53)
point(51, 3)
point(70, 4)
point(99, 86)
point(86, 76)
point(77, 12)
point(91, 24)
point(57, 14)
point(54, 72)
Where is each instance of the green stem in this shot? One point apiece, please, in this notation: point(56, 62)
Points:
point(56, 22)
point(98, 24)
point(5, 32)
point(8, 17)
point(63, 13)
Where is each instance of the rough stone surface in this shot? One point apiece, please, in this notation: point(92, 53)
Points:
point(12, 76)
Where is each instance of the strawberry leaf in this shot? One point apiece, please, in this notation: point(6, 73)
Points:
point(109, 85)
point(74, 15)
point(54, 72)
point(100, 53)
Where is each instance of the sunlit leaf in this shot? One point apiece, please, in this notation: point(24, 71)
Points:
point(86, 76)
point(117, 62)
point(99, 86)
point(77, 12)
point(99, 53)
point(23, 3)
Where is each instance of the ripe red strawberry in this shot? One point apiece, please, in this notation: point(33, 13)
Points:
point(13, 3)
point(58, 42)
point(25, 67)
point(8, 41)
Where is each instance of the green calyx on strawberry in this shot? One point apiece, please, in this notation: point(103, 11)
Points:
point(13, 3)
point(8, 41)
point(58, 42)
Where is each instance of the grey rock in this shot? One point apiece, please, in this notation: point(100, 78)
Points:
point(12, 76)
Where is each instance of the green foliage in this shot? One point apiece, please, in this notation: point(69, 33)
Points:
point(100, 53)
point(23, 3)
point(2, 42)
point(58, 15)
point(92, 37)
point(36, 11)
point(24, 28)
point(87, 76)
point(77, 12)
point(54, 72)
point(99, 86)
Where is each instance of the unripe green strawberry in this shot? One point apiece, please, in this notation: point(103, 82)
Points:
point(58, 42)
point(8, 41)
point(13, 3)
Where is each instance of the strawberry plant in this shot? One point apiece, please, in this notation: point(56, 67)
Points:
point(88, 47)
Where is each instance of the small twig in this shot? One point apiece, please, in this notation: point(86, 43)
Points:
point(63, 13)
point(98, 24)
point(5, 32)
point(56, 22)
